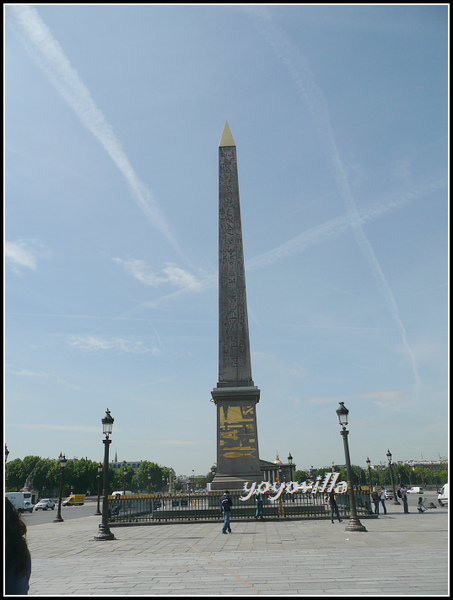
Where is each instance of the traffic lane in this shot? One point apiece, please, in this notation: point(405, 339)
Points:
point(38, 517)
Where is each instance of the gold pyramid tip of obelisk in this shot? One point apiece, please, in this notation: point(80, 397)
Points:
point(227, 138)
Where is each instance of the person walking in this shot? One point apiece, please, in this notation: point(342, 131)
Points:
point(403, 492)
point(259, 505)
point(225, 506)
point(383, 492)
point(332, 502)
point(376, 499)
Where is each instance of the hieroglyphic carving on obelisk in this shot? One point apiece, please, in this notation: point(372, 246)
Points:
point(236, 395)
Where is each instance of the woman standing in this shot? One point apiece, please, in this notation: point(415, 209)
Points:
point(332, 501)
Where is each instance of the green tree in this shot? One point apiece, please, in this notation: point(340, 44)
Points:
point(83, 475)
point(149, 468)
point(46, 476)
point(14, 475)
point(300, 476)
point(442, 477)
point(200, 482)
point(29, 463)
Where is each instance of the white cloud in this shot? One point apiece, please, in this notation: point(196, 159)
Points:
point(24, 254)
point(171, 274)
point(26, 373)
point(90, 343)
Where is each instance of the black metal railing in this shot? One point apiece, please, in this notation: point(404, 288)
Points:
point(154, 508)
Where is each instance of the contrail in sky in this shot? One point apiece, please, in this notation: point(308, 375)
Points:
point(340, 225)
point(48, 54)
point(306, 87)
point(311, 237)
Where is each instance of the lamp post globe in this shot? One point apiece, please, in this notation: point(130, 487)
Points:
point(354, 522)
point(107, 423)
point(342, 413)
point(104, 532)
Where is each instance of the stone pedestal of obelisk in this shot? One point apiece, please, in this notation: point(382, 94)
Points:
point(236, 395)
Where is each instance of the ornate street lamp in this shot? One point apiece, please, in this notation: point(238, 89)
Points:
point(63, 461)
point(368, 464)
point(98, 477)
point(124, 476)
point(104, 532)
point(290, 462)
point(149, 483)
point(354, 522)
point(6, 453)
point(395, 497)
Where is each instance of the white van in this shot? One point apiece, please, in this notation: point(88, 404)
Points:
point(415, 490)
point(121, 493)
point(442, 497)
point(16, 499)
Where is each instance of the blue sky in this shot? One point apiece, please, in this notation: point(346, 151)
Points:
point(113, 116)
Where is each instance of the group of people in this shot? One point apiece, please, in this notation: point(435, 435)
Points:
point(226, 504)
point(379, 497)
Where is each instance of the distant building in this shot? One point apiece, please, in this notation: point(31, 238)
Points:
point(277, 470)
point(119, 465)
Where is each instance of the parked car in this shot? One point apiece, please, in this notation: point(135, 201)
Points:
point(388, 495)
point(415, 490)
point(45, 503)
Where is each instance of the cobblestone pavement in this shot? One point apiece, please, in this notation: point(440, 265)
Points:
point(400, 554)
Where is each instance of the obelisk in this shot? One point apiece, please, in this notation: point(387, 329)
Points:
point(236, 395)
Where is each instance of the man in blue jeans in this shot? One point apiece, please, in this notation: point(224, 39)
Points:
point(225, 506)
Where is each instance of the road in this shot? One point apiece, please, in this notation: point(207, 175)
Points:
point(38, 517)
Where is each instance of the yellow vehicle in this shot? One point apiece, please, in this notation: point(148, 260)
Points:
point(74, 500)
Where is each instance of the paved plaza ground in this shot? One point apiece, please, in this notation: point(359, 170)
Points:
point(400, 554)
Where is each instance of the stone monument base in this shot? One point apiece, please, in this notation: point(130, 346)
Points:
point(230, 483)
